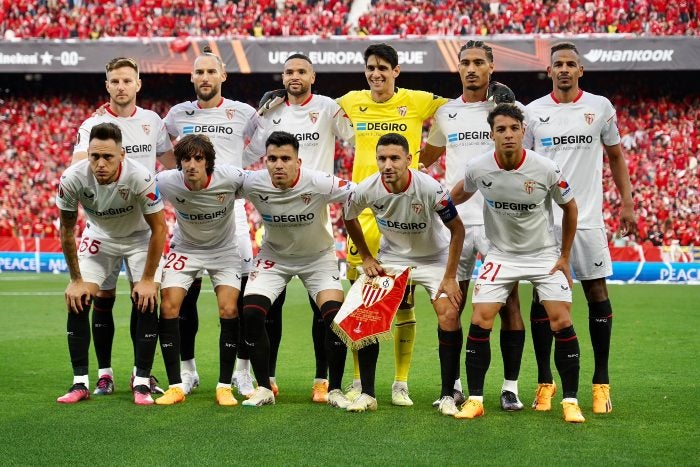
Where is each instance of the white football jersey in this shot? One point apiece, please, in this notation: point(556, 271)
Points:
point(412, 231)
point(115, 210)
point(315, 123)
point(518, 203)
point(205, 220)
point(573, 134)
point(227, 125)
point(143, 135)
point(461, 127)
point(295, 219)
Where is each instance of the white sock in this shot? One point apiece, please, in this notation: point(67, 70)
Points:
point(399, 385)
point(105, 372)
point(142, 380)
point(570, 399)
point(82, 379)
point(357, 383)
point(477, 398)
point(178, 385)
point(273, 380)
point(133, 372)
point(320, 380)
point(509, 385)
point(188, 365)
point(223, 385)
point(242, 365)
point(458, 385)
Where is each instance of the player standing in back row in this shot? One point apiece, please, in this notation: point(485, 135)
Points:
point(575, 128)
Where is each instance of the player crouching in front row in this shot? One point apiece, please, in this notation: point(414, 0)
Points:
point(519, 186)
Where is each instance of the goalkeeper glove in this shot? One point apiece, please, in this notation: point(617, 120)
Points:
point(271, 99)
point(499, 93)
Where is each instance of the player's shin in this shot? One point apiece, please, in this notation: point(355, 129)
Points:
point(450, 345)
point(78, 331)
point(255, 307)
point(228, 346)
point(512, 344)
point(567, 360)
point(318, 334)
point(273, 326)
point(600, 318)
point(478, 358)
point(189, 321)
point(335, 349)
point(147, 339)
point(103, 330)
point(367, 359)
point(404, 341)
point(169, 335)
point(541, 341)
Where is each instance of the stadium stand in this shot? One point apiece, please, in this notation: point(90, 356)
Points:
point(94, 19)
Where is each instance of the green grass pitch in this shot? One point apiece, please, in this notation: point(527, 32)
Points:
point(654, 371)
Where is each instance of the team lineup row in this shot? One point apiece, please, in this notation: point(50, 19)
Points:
point(496, 220)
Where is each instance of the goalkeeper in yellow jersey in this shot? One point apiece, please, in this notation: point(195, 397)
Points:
point(381, 109)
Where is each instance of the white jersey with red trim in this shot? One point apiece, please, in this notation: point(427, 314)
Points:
point(205, 219)
point(228, 125)
point(115, 210)
point(412, 231)
point(573, 134)
point(518, 203)
point(461, 127)
point(315, 123)
point(295, 219)
point(143, 135)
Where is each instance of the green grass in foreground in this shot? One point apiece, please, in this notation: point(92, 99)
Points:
point(653, 370)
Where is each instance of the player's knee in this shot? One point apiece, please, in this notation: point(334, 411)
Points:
point(511, 319)
point(448, 316)
point(559, 318)
point(169, 309)
point(596, 290)
point(329, 309)
point(228, 310)
point(255, 308)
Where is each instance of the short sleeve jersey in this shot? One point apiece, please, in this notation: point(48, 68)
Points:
point(143, 135)
point(518, 203)
point(295, 218)
point(412, 231)
point(404, 113)
point(115, 210)
point(228, 125)
point(573, 134)
point(205, 219)
point(316, 123)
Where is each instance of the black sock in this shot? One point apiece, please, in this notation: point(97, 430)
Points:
point(103, 329)
point(132, 328)
point(318, 335)
point(600, 318)
point(450, 345)
point(273, 326)
point(169, 333)
point(147, 339)
point(567, 359)
point(228, 345)
point(189, 321)
point(367, 358)
point(542, 342)
point(335, 349)
point(78, 331)
point(243, 351)
point(255, 308)
point(512, 345)
point(478, 358)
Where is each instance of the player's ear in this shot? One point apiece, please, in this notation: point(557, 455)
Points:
point(549, 71)
point(313, 77)
point(410, 158)
point(580, 69)
point(138, 85)
point(223, 75)
point(122, 154)
point(396, 71)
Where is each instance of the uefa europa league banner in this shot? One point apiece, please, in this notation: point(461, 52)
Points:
point(345, 54)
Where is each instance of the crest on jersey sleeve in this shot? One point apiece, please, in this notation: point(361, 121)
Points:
point(402, 110)
point(313, 116)
point(146, 127)
point(589, 117)
point(370, 307)
point(529, 186)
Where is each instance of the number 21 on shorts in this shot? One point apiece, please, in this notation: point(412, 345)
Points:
point(489, 271)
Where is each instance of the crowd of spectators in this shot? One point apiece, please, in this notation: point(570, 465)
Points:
point(660, 137)
point(93, 19)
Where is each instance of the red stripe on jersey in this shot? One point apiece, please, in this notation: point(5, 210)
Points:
point(520, 164)
point(303, 103)
point(557, 101)
point(410, 178)
point(217, 105)
point(111, 112)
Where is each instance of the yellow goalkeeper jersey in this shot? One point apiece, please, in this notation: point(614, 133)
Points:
point(404, 114)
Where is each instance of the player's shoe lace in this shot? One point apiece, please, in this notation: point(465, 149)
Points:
point(447, 406)
point(261, 396)
point(105, 386)
point(363, 403)
point(336, 398)
point(76, 393)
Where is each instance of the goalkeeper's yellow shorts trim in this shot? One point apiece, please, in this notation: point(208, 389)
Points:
point(372, 237)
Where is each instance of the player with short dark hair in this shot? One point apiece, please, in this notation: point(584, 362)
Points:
point(125, 223)
point(400, 196)
point(519, 187)
point(460, 126)
point(293, 203)
point(203, 195)
point(576, 129)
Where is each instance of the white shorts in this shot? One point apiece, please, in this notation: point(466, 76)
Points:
point(590, 255)
point(429, 276)
point(501, 271)
point(475, 242)
point(245, 246)
point(181, 269)
point(99, 258)
point(270, 277)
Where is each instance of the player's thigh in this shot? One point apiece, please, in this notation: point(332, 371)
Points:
point(135, 257)
point(321, 274)
point(559, 314)
point(269, 278)
point(226, 298)
point(372, 237)
point(98, 260)
point(475, 243)
point(496, 278)
point(429, 276)
point(245, 245)
point(549, 287)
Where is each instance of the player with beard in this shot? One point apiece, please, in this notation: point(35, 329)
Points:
point(461, 126)
point(228, 124)
point(315, 121)
point(146, 141)
point(576, 129)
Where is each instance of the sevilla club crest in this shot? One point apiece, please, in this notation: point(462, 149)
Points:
point(589, 117)
point(417, 207)
point(229, 113)
point(313, 116)
point(529, 186)
point(402, 110)
point(124, 193)
point(376, 288)
point(221, 197)
point(306, 198)
point(146, 127)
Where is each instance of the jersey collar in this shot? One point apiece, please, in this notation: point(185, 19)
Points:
point(187, 185)
point(410, 179)
point(306, 101)
point(556, 101)
point(109, 110)
point(522, 161)
point(221, 102)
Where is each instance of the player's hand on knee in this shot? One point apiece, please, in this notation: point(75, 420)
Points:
point(145, 295)
point(78, 296)
point(371, 267)
point(450, 287)
point(562, 265)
